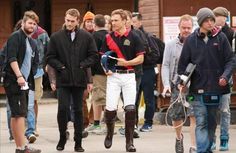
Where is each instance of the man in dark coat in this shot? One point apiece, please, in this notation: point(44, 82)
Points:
point(71, 52)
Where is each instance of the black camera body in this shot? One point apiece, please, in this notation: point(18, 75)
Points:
point(187, 74)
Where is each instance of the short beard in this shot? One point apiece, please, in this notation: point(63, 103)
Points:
point(26, 31)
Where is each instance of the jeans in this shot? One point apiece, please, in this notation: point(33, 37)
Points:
point(9, 118)
point(224, 116)
point(147, 86)
point(30, 115)
point(205, 124)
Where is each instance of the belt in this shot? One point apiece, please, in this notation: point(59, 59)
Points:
point(124, 71)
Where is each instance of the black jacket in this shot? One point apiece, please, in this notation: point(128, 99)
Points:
point(16, 48)
point(70, 58)
point(214, 60)
point(229, 32)
point(99, 37)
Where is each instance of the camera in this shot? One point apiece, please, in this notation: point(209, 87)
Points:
point(187, 74)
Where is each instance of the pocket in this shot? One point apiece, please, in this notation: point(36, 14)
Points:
point(64, 76)
point(80, 76)
point(11, 88)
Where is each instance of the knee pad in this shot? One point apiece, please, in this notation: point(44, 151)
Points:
point(130, 112)
point(129, 108)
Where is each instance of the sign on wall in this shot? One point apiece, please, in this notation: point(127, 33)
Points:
point(171, 29)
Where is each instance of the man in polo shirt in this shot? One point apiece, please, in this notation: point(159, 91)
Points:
point(129, 49)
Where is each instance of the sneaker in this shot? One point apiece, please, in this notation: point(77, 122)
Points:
point(36, 133)
point(192, 150)
point(67, 135)
point(100, 131)
point(224, 145)
point(91, 128)
point(213, 146)
point(11, 139)
point(136, 134)
point(85, 134)
point(19, 151)
point(31, 150)
point(146, 128)
point(31, 138)
point(122, 131)
point(179, 147)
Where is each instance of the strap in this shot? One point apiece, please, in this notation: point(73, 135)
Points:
point(233, 42)
point(114, 47)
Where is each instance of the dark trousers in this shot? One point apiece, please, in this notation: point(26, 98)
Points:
point(147, 85)
point(64, 101)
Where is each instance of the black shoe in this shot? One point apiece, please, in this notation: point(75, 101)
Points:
point(78, 148)
point(61, 144)
point(179, 147)
point(84, 134)
point(130, 148)
point(19, 151)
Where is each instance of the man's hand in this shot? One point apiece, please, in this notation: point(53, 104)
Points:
point(165, 90)
point(222, 82)
point(21, 81)
point(53, 86)
point(181, 88)
point(109, 72)
point(122, 62)
point(89, 87)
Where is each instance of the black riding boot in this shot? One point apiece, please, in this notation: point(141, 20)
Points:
point(129, 127)
point(110, 117)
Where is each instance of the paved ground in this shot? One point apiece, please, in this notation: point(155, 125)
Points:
point(160, 140)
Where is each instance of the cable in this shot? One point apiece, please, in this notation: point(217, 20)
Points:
point(179, 99)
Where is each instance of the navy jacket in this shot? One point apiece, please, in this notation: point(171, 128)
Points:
point(214, 60)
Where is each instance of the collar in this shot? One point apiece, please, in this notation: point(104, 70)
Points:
point(125, 34)
point(23, 33)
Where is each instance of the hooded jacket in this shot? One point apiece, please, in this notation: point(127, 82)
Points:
point(213, 59)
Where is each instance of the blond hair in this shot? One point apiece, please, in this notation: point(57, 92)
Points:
point(30, 15)
point(73, 12)
point(185, 17)
point(120, 12)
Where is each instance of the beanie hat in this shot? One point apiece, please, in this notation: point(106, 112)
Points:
point(88, 16)
point(221, 11)
point(203, 14)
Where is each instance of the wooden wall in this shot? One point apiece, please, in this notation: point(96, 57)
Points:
point(59, 8)
point(151, 16)
point(5, 21)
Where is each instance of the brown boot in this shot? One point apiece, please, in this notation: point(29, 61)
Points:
point(110, 117)
point(129, 127)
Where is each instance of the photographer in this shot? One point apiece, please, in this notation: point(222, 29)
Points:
point(210, 50)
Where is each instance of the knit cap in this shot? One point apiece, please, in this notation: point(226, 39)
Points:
point(88, 16)
point(203, 14)
point(221, 11)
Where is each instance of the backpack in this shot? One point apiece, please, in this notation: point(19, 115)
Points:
point(155, 51)
point(233, 42)
point(3, 63)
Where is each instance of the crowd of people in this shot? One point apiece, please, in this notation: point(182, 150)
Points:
point(106, 58)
